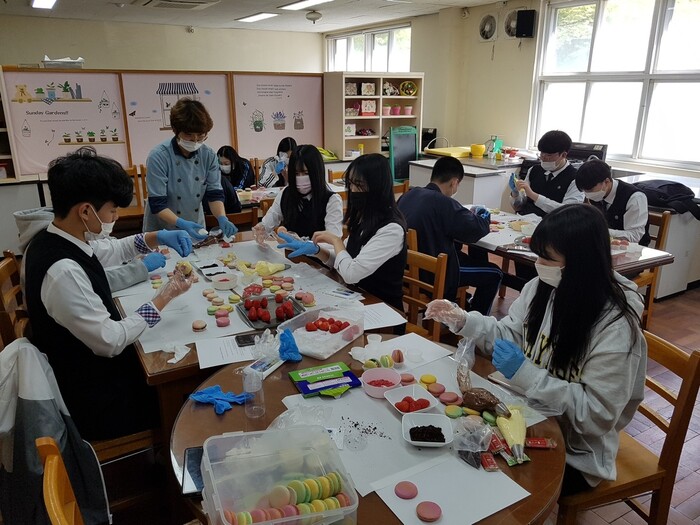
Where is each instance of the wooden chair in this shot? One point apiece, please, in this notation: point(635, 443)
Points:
point(400, 189)
point(412, 239)
point(14, 321)
point(640, 471)
point(111, 449)
point(136, 207)
point(244, 219)
point(255, 165)
point(142, 180)
point(334, 177)
point(59, 498)
point(649, 278)
point(418, 293)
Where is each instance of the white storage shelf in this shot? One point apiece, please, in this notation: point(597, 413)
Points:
point(337, 101)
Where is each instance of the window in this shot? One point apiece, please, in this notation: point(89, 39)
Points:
point(382, 50)
point(624, 73)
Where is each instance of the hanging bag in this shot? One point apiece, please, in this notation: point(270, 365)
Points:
point(669, 194)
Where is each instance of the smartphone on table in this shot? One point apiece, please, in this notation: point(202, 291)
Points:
point(192, 482)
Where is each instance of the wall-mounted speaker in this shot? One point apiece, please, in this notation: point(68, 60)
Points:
point(525, 23)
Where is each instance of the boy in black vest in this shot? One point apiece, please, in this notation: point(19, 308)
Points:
point(551, 183)
point(624, 206)
point(74, 320)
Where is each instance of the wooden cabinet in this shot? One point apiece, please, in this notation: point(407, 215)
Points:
point(360, 108)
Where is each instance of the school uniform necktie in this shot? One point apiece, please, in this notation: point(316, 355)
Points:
point(547, 176)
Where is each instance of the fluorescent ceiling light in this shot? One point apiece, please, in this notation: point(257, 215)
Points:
point(43, 4)
point(256, 18)
point(296, 6)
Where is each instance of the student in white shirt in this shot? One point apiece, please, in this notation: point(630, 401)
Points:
point(274, 170)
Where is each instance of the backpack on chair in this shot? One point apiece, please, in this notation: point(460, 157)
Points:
point(668, 194)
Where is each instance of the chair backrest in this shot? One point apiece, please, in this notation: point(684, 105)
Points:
point(418, 293)
point(662, 221)
point(59, 498)
point(137, 203)
point(334, 176)
point(687, 368)
point(400, 189)
point(142, 180)
point(245, 219)
point(13, 317)
point(412, 239)
point(255, 165)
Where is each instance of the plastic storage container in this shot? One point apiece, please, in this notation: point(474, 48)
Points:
point(321, 344)
point(243, 472)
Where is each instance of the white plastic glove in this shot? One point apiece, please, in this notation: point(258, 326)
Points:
point(447, 313)
point(176, 286)
point(260, 234)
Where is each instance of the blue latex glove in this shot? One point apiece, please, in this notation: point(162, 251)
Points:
point(227, 226)
point(299, 247)
point(482, 212)
point(511, 183)
point(154, 260)
point(507, 357)
point(192, 228)
point(288, 347)
point(177, 240)
point(221, 400)
point(279, 167)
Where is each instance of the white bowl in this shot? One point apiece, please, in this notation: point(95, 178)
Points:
point(226, 281)
point(421, 420)
point(395, 395)
point(388, 374)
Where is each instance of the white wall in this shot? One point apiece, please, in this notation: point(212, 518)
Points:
point(121, 45)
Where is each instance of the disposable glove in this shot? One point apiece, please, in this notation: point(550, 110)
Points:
point(192, 228)
point(507, 357)
point(221, 400)
point(282, 161)
point(153, 261)
point(297, 246)
point(260, 234)
point(288, 347)
point(178, 240)
point(482, 212)
point(176, 285)
point(447, 313)
point(511, 183)
point(227, 226)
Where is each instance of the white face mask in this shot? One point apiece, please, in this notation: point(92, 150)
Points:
point(105, 228)
point(595, 196)
point(303, 184)
point(550, 275)
point(549, 166)
point(189, 145)
point(225, 168)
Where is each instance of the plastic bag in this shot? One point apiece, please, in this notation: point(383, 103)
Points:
point(465, 362)
point(471, 440)
point(266, 345)
point(301, 415)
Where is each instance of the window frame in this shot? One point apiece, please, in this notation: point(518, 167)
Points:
point(649, 77)
point(368, 35)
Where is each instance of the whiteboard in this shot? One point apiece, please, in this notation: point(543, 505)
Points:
point(55, 113)
point(271, 107)
point(149, 96)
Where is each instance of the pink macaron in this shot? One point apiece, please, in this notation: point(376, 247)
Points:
point(223, 321)
point(427, 511)
point(406, 490)
point(436, 389)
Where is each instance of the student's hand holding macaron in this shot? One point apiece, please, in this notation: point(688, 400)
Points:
point(178, 240)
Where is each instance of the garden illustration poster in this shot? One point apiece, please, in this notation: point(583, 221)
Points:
point(271, 107)
point(55, 113)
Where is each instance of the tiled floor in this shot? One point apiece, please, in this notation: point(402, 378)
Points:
point(673, 319)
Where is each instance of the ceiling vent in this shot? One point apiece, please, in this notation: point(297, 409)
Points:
point(176, 4)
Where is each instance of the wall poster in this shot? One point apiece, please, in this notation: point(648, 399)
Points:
point(53, 113)
point(271, 107)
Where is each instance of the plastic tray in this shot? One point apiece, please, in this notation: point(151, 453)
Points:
point(271, 307)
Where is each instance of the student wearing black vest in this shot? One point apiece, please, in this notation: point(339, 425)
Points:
point(624, 206)
point(74, 319)
point(374, 254)
point(551, 183)
point(307, 204)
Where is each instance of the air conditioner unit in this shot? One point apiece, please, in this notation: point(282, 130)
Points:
point(175, 4)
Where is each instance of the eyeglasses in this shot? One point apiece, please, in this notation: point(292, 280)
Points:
point(548, 156)
point(194, 137)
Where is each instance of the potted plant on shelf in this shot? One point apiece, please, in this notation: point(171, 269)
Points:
point(396, 109)
point(103, 135)
point(65, 90)
point(408, 110)
point(386, 109)
point(66, 138)
point(78, 136)
point(91, 136)
point(115, 135)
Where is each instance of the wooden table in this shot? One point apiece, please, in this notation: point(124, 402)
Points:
point(196, 422)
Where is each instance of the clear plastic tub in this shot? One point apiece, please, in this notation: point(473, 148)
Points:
point(320, 344)
point(243, 470)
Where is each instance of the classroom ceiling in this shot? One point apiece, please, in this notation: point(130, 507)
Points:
point(337, 15)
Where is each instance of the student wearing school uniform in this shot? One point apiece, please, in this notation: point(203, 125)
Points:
point(273, 172)
point(624, 206)
point(306, 205)
point(374, 254)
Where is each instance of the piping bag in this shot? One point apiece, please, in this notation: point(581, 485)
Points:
point(513, 430)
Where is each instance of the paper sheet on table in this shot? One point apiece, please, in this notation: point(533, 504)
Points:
point(427, 351)
point(381, 315)
point(222, 351)
point(465, 495)
point(506, 235)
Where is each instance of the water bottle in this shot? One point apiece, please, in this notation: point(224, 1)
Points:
point(253, 385)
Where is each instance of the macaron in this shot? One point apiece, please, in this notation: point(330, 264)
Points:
point(267, 283)
point(155, 277)
point(211, 296)
point(234, 298)
point(288, 279)
point(453, 411)
point(407, 379)
point(428, 511)
point(336, 481)
point(244, 518)
point(489, 417)
point(314, 488)
point(279, 496)
point(343, 499)
point(217, 301)
point(226, 308)
point(386, 361)
point(448, 398)
point(156, 284)
point(428, 379)
point(332, 503)
point(299, 295)
point(184, 267)
point(434, 388)
point(318, 505)
point(273, 513)
point(372, 363)
point(275, 288)
point(221, 313)
point(290, 510)
point(397, 356)
point(258, 515)
point(211, 310)
point(207, 291)
point(308, 299)
point(302, 492)
point(406, 490)
point(199, 325)
point(326, 486)
point(222, 322)
point(287, 286)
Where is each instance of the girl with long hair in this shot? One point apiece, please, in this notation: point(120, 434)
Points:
point(572, 340)
point(235, 168)
point(274, 170)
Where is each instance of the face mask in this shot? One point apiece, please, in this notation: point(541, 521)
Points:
point(550, 275)
point(303, 184)
point(105, 228)
point(189, 145)
point(225, 168)
point(549, 166)
point(595, 196)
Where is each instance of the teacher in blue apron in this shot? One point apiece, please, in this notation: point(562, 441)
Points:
point(182, 173)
